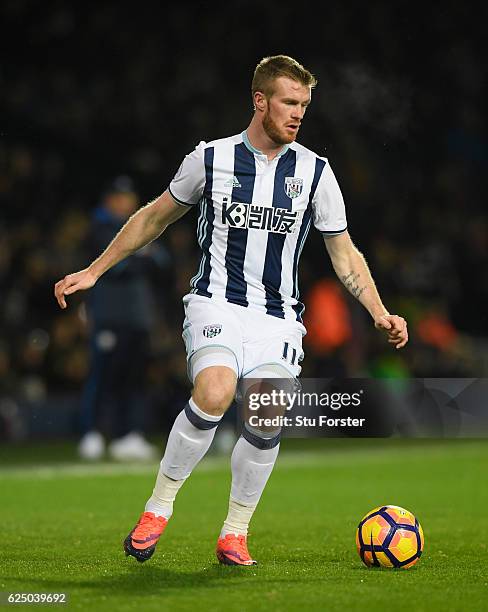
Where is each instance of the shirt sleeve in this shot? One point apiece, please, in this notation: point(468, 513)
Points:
point(329, 212)
point(187, 185)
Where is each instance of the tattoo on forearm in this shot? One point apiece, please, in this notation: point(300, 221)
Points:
point(351, 281)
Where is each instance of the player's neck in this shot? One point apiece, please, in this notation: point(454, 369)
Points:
point(261, 141)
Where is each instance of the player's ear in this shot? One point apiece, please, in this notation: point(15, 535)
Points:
point(260, 101)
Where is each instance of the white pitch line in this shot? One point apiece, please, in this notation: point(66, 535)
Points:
point(83, 470)
point(326, 459)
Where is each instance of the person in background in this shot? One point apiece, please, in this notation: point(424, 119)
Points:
point(120, 313)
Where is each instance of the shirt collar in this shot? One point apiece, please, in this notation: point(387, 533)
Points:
point(248, 144)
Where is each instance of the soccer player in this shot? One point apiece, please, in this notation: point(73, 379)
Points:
point(257, 194)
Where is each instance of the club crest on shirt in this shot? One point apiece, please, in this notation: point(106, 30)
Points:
point(293, 186)
point(210, 331)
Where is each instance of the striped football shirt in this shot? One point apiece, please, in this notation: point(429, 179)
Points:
point(254, 218)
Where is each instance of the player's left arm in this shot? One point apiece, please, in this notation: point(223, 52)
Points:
point(351, 268)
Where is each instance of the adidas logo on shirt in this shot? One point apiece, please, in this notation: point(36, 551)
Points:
point(232, 182)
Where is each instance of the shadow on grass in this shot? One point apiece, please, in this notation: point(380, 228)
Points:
point(155, 581)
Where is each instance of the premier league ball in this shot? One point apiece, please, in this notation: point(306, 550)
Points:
point(389, 536)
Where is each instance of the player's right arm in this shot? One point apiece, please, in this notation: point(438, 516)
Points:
point(143, 227)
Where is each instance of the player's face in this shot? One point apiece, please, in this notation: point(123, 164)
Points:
point(285, 110)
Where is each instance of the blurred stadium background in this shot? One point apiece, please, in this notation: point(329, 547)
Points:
point(92, 93)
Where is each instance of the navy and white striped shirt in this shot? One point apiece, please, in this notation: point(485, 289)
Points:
point(254, 218)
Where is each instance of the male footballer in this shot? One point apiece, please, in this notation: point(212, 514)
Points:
point(257, 194)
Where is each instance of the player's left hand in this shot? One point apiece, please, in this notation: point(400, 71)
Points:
point(395, 327)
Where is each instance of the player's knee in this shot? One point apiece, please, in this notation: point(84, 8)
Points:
point(215, 389)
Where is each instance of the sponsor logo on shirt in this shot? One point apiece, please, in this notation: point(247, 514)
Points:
point(254, 216)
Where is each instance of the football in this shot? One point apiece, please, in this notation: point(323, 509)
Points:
point(389, 536)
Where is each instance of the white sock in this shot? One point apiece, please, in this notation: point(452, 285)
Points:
point(251, 468)
point(238, 518)
point(163, 496)
point(186, 446)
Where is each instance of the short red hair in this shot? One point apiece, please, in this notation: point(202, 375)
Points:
point(270, 68)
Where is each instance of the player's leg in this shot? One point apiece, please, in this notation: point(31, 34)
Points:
point(214, 367)
point(192, 434)
point(254, 456)
point(188, 441)
point(252, 462)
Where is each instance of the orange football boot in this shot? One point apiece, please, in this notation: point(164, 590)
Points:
point(141, 541)
point(232, 550)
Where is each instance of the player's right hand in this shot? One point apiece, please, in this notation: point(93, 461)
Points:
point(84, 279)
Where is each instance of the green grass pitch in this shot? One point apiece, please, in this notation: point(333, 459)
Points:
point(63, 526)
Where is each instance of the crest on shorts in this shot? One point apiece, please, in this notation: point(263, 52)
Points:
point(210, 331)
point(293, 186)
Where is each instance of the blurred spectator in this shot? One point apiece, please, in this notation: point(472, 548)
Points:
point(327, 319)
point(120, 312)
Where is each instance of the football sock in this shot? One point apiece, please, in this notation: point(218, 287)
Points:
point(251, 468)
point(188, 441)
point(238, 518)
point(163, 496)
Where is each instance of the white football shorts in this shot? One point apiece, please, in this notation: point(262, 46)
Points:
point(252, 343)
